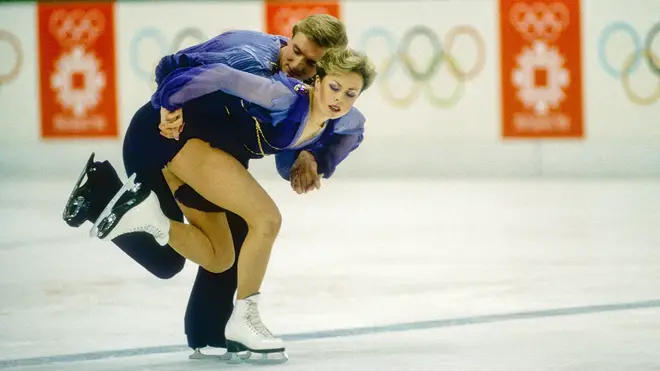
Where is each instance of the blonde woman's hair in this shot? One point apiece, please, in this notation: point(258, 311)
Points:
point(347, 60)
point(325, 30)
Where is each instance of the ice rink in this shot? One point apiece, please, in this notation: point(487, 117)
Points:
point(515, 275)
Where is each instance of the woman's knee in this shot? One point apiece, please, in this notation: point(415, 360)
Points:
point(267, 224)
point(223, 261)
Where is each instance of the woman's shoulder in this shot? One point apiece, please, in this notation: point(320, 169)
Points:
point(295, 86)
point(292, 107)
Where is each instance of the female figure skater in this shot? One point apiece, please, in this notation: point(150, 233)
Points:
point(231, 117)
point(211, 300)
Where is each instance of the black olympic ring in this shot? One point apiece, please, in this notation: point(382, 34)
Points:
point(441, 54)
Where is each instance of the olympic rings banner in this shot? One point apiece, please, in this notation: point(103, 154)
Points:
point(642, 53)
point(541, 69)
point(282, 15)
point(144, 64)
point(77, 70)
point(401, 59)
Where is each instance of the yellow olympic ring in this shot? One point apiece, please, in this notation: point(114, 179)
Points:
point(409, 98)
point(625, 81)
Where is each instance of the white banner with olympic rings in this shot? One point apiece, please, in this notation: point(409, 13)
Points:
point(435, 110)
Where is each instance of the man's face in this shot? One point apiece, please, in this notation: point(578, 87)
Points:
point(298, 58)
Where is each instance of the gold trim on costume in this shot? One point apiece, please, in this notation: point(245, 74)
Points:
point(259, 134)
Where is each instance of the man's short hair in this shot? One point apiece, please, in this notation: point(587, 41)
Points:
point(325, 30)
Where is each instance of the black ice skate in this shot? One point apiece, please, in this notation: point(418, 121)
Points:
point(132, 209)
point(86, 200)
point(246, 334)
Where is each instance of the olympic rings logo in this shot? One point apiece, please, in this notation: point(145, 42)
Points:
point(441, 55)
point(15, 44)
point(642, 50)
point(165, 47)
point(76, 27)
point(539, 20)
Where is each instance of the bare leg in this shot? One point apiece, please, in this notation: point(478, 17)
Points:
point(221, 179)
point(207, 240)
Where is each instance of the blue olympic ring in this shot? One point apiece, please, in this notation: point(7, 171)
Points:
point(605, 36)
point(165, 46)
point(385, 34)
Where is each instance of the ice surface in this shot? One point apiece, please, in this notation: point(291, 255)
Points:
point(504, 259)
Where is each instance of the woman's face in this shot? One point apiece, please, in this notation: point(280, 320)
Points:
point(335, 94)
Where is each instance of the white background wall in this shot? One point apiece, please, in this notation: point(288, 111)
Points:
point(622, 138)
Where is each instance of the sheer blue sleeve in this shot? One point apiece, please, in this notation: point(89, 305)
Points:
point(339, 146)
point(248, 51)
point(329, 152)
point(187, 83)
point(236, 58)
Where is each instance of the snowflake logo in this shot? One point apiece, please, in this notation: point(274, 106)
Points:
point(78, 81)
point(540, 78)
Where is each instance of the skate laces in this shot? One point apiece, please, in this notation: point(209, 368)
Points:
point(254, 320)
point(151, 229)
point(129, 198)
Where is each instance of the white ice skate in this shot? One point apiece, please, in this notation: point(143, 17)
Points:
point(132, 209)
point(246, 334)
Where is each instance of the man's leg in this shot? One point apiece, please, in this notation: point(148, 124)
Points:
point(212, 298)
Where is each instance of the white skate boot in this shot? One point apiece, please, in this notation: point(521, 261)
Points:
point(246, 333)
point(132, 209)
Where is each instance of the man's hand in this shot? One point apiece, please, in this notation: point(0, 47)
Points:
point(303, 174)
point(171, 123)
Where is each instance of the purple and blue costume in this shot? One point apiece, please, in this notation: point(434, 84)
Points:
point(234, 98)
point(276, 101)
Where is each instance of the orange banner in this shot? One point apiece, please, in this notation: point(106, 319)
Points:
point(77, 70)
point(281, 16)
point(541, 69)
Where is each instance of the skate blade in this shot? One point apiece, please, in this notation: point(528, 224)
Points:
point(198, 355)
point(258, 358)
point(68, 214)
point(130, 183)
point(239, 353)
